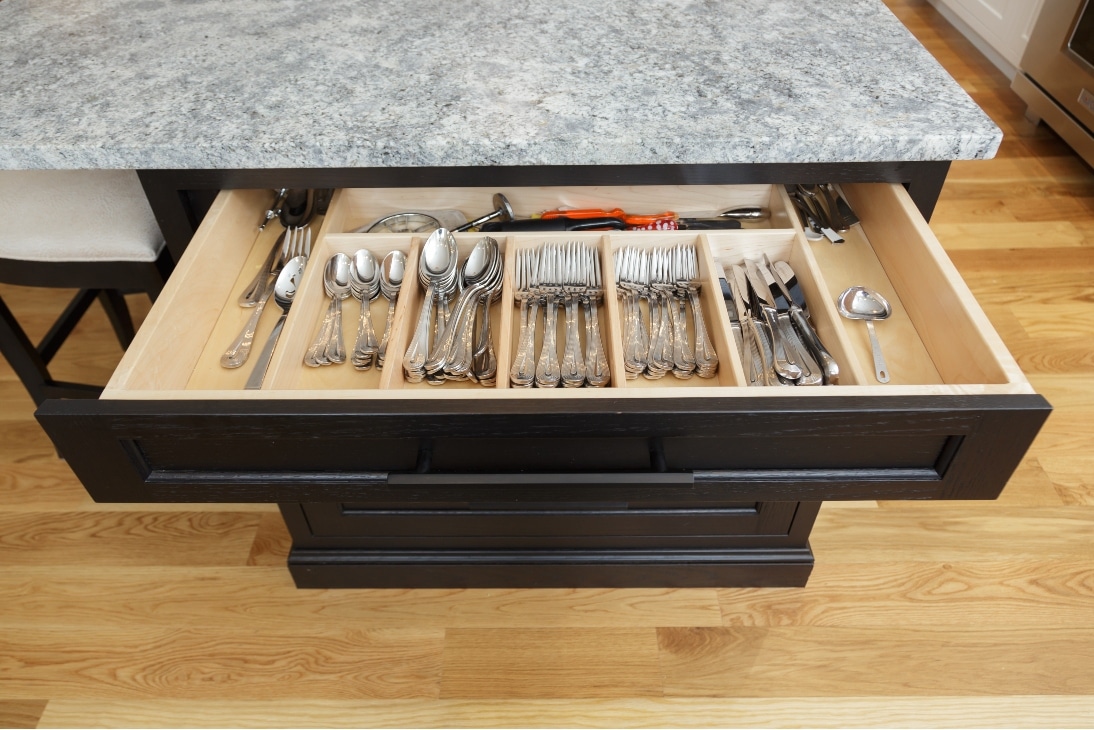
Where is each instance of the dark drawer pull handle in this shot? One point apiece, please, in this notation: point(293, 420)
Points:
point(658, 479)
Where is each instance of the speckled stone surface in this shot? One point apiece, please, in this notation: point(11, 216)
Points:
point(347, 83)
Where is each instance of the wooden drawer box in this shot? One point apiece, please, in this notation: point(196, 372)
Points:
point(338, 444)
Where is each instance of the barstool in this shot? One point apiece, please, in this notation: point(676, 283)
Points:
point(90, 230)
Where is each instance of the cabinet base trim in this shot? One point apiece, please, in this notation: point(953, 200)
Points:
point(781, 567)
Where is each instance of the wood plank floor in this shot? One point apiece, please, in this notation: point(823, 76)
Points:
point(927, 614)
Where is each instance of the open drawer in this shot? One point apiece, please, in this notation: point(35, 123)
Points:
point(173, 425)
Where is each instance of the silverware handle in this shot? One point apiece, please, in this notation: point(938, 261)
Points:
point(382, 352)
point(783, 367)
point(418, 351)
point(523, 371)
point(263, 363)
point(240, 349)
point(811, 371)
point(547, 370)
point(811, 340)
point(264, 279)
point(881, 370)
point(706, 358)
point(597, 373)
point(573, 365)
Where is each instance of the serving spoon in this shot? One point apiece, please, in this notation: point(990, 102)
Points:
point(859, 302)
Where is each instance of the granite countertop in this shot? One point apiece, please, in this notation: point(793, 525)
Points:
point(231, 84)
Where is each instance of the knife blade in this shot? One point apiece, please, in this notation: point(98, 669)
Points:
point(784, 272)
point(735, 308)
point(799, 315)
point(784, 367)
point(759, 369)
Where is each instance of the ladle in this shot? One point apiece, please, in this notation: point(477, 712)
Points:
point(859, 302)
point(365, 285)
point(391, 280)
point(283, 292)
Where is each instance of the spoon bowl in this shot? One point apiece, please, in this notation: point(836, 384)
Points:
point(859, 302)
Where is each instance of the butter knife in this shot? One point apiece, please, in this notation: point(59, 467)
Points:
point(799, 314)
point(784, 366)
point(798, 353)
point(758, 368)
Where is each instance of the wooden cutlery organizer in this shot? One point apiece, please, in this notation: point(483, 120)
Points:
point(936, 336)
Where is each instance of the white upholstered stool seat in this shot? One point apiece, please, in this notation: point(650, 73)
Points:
point(76, 215)
point(89, 230)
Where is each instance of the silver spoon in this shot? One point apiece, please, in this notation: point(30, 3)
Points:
point(479, 263)
point(365, 285)
point(391, 280)
point(284, 291)
point(435, 265)
point(858, 302)
point(329, 346)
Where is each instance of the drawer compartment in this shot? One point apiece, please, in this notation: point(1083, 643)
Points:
point(174, 425)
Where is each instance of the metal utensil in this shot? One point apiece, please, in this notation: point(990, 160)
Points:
point(391, 281)
point(365, 286)
point(329, 346)
point(859, 302)
point(812, 373)
point(436, 272)
point(502, 211)
point(799, 315)
point(284, 291)
point(759, 370)
point(784, 366)
point(295, 242)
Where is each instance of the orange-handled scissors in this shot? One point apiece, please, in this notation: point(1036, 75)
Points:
point(637, 221)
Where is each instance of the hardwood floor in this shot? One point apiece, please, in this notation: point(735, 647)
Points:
point(935, 614)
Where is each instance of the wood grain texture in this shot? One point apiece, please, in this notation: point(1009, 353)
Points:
point(955, 614)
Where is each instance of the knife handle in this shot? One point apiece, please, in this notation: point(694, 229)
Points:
point(783, 367)
point(816, 347)
point(811, 371)
point(763, 347)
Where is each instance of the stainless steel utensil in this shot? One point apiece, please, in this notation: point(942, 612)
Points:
point(799, 315)
point(329, 345)
point(295, 242)
point(391, 280)
point(284, 292)
point(859, 302)
point(784, 365)
point(365, 286)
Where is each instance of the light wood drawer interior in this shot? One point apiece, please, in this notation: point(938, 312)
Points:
point(937, 341)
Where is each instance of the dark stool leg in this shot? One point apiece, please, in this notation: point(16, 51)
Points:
point(118, 312)
point(22, 355)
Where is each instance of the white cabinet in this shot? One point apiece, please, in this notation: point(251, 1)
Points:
point(999, 28)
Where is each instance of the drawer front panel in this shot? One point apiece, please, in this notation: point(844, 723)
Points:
point(953, 447)
point(361, 526)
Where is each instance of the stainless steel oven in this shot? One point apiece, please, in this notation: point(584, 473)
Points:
point(1056, 79)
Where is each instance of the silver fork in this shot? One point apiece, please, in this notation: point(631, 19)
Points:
point(596, 361)
point(523, 371)
point(297, 242)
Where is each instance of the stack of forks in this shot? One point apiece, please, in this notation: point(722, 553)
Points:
point(553, 274)
point(668, 279)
